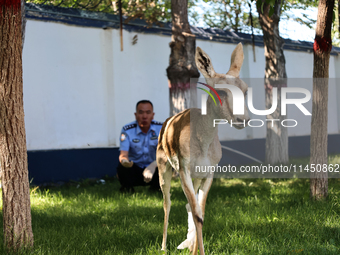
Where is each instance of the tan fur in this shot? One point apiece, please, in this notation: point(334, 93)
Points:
point(188, 139)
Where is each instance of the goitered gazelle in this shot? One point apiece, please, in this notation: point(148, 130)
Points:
point(189, 139)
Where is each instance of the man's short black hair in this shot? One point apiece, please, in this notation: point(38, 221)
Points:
point(143, 102)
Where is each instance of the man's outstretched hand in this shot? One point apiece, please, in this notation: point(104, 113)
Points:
point(149, 171)
point(126, 163)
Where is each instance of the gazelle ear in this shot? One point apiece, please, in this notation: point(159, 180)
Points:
point(236, 61)
point(203, 63)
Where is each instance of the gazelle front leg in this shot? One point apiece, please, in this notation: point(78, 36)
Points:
point(202, 198)
point(189, 192)
point(191, 236)
point(203, 193)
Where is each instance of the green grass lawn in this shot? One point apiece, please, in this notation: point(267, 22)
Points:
point(243, 216)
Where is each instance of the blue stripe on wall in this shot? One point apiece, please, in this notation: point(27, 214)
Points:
point(299, 146)
point(75, 164)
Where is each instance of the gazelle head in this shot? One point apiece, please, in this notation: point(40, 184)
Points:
point(203, 62)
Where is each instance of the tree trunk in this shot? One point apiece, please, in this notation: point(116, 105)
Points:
point(182, 64)
point(275, 76)
point(13, 154)
point(23, 21)
point(322, 48)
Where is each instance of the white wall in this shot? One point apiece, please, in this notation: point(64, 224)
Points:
point(64, 89)
point(80, 89)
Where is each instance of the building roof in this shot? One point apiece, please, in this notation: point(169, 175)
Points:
point(105, 20)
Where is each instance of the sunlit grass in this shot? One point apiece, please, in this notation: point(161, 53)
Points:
point(243, 216)
point(334, 159)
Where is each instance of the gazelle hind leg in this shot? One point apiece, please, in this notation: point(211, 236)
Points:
point(165, 174)
point(189, 192)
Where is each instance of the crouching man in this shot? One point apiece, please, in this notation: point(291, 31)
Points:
point(138, 143)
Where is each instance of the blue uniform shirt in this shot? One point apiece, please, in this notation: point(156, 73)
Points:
point(141, 147)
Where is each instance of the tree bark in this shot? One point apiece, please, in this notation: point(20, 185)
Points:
point(275, 76)
point(13, 154)
point(322, 48)
point(182, 64)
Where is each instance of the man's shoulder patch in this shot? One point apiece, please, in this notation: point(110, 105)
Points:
point(157, 122)
point(122, 137)
point(127, 127)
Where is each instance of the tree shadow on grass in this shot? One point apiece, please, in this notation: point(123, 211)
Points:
point(125, 230)
point(118, 224)
point(283, 221)
point(242, 217)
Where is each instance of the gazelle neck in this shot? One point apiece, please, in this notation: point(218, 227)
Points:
point(213, 111)
point(206, 123)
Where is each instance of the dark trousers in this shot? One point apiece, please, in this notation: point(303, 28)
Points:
point(133, 176)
